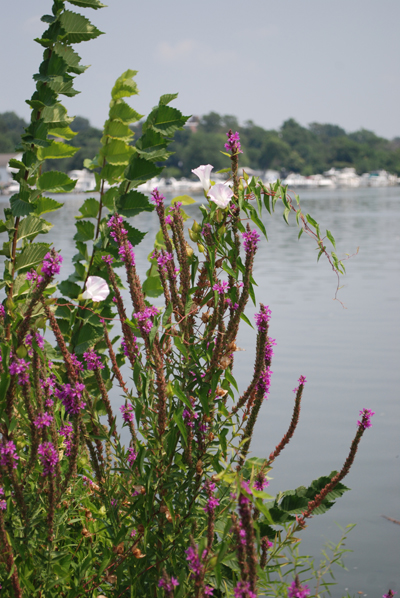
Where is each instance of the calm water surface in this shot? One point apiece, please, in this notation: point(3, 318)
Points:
point(350, 358)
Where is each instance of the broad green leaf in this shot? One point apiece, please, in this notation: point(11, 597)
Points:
point(120, 109)
point(167, 120)
point(57, 149)
point(85, 231)
point(152, 146)
point(152, 286)
point(77, 28)
point(140, 170)
point(89, 208)
point(118, 130)
point(46, 204)
point(31, 226)
point(56, 115)
point(70, 57)
point(62, 132)
point(20, 207)
point(167, 98)
point(69, 289)
point(31, 255)
point(133, 203)
point(117, 152)
point(135, 236)
point(112, 173)
point(55, 182)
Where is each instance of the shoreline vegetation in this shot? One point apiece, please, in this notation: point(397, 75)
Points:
point(320, 155)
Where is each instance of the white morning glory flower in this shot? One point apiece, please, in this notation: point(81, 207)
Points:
point(96, 289)
point(203, 172)
point(220, 194)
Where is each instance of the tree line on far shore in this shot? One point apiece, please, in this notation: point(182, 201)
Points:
point(307, 150)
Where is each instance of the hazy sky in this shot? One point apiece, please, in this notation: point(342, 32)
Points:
point(313, 60)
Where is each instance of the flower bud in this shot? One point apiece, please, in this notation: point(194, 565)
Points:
point(200, 247)
point(196, 227)
point(194, 236)
point(218, 215)
point(189, 251)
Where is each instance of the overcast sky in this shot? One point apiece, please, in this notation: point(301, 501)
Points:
point(327, 61)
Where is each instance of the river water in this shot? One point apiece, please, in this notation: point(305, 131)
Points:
point(350, 356)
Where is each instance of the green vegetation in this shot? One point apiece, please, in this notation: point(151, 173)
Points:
point(307, 150)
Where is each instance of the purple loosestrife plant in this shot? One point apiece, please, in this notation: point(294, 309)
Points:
point(168, 502)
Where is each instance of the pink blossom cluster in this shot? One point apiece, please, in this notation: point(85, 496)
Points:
point(221, 287)
point(108, 259)
point(39, 340)
point(234, 306)
point(168, 585)
point(163, 259)
point(119, 234)
point(233, 143)
point(48, 384)
point(48, 456)
point(262, 319)
point(250, 240)
point(51, 264)
point(71, 397)
point(93, 361)
point(212, 502)
point(132, 456)
point(302, 380)
point(43, 420)
point(2, 311)
point(78, 364)
point(144, 318)
point(189, 416)
point(8, 454)
point(193, 558)
point(32, 275)
point(366, 415)
point(157, 197)
point(297, 590)
point(127, 413)
point(242, 590)
point(20, 368)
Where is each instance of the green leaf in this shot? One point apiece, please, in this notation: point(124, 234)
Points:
point(294, 504)
point(330, 237)
point(31, 255)
point(167, 314)
point(185, 200)
point(88, 3)
point(117, 130)
point(167, 120)
point(286, 215)
point(125, 86)
point(135, 236)
point(55, 182)
point(56, 115)
point(120, 109)
point(117, 152)
point(167, 98)
point(57, 149)
point(70, 58)
point(85, 231)
point(140, 170)
point(63, 132)
point(46, 204)
point(89, 208)
point(31, 226)
point(69, 289)
point(180, 345)
point(152, 286)
point(246, 319)
point(312, 221)
point(180, 423)
point(20, 207)
point(77, 28)
point(133, 203)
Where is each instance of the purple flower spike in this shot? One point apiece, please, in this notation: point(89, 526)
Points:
point(250, 240)
point(262, 319)
point(127, 413)
point(157, 197)
point(8, 454)
point(93, 360)
point(51, 264)
point(48, 456)
point(233, 144)
point(242, 590)
point(2, 311)
point(43, 420)
point(3, 504)
point(296, 590)
point(366, 415)
point(221, 287)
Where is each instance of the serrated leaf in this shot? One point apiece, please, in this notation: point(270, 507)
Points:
point(46, 204)
point(117, 130)
point(152, 286)
point(117, 152)
point(133, 203)
point(125, 86)
point(62, 132)
point(57, 149)
point(77, 28)
point(55, 182)
point(135, 236)
point(31, 226)
point(19, 207)
point(69, 289)
point(70, 58)
point(89, 208)
point(167, 98)
point(167, 120)
point(120, 109)
point(31, 255)
point(140, 170)
point(85, 231)
point(56, 115)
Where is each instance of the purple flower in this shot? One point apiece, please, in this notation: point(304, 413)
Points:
point(78, 364)
point(157, 197)
point(250, 240)
point(132, 455)
point(242, 590)
point(390, 594)
point(144, 318)
point(233, 144)
point(8, 454)
point(194, 561)
point(127, 413)
point(260, 484)
point(108, 259)
point(48, 456)
point(366, 415)
point(19, 367)
point(93, 360)
point(39, 340)
point(51, 264)
point(221, 287)
point(302, 380)
point(122, 252)
point(71, 397)
point(163, 259)
point(208, 591)
point(296, 590)
point(262, 319)
point(43, 420)
point(2, 311)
